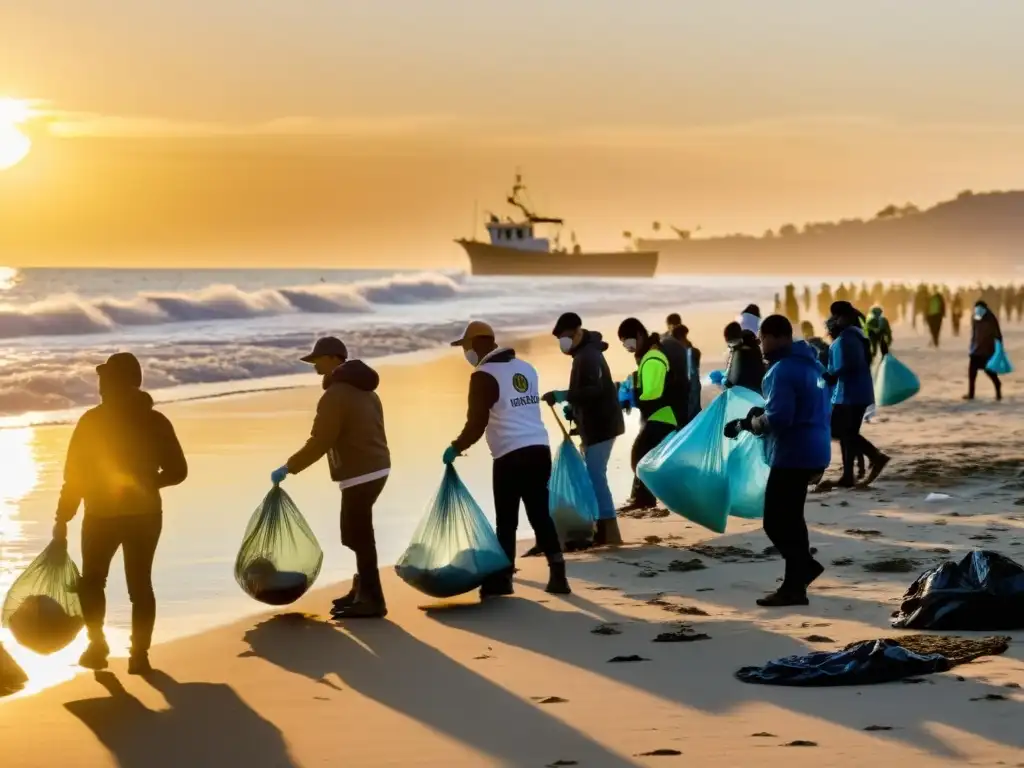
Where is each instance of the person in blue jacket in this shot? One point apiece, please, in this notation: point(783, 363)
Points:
point(849, 371)
point(798, 446)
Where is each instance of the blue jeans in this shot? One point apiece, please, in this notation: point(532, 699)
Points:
point(596, 457)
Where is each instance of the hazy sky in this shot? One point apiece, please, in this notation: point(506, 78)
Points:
point(734, 114)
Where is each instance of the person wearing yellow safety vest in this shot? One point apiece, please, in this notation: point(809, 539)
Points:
point(652, 387)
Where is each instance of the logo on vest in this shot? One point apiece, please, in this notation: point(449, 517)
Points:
point(519, 383)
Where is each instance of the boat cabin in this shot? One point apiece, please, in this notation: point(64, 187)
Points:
point(516, 234)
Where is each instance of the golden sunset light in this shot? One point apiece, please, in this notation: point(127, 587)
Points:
point(14, 145)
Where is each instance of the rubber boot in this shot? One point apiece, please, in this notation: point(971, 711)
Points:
point(608, 534)
point(558, 584)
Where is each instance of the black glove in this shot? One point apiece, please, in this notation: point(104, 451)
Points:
point(549, 398)
point(734, 427)
point(830, 378)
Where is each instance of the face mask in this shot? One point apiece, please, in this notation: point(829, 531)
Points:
point(472, 357)
point(565, 344)
point(630, 345)
point(979, 313)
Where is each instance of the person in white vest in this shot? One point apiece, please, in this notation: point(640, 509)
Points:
point(504, 406)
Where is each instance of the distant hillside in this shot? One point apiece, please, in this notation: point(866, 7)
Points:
point(974, 235)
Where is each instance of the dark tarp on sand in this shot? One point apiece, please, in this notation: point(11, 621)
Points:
point(984, 591)
point(874, 661)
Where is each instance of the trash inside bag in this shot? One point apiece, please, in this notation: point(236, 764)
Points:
point(571, 496)
point(280, 557)
point(999, 363)
point(894, 382)
point(688, 472)
point(748, 476)
point(870, 661)
point(454, 548)
point(984, 591)
point(42, 608)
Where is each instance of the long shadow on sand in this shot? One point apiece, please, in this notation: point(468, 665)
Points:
point(701, 675)
point(207, 724)
point(385, 663)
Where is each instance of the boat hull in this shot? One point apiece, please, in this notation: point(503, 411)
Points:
point(487, 259)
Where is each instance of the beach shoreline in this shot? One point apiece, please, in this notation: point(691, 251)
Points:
point(467, 685)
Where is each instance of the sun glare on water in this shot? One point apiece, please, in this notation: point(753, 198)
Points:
point(14, 145)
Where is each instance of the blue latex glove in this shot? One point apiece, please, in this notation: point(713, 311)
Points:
point(278, 475)
point(450, 454)
point(717, 377)
point(567, 412)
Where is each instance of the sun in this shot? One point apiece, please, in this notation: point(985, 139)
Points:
point(14, 145)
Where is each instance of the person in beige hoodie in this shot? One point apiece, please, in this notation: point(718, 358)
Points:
point(349, 430)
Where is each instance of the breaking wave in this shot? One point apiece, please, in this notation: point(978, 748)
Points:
point(71, 315)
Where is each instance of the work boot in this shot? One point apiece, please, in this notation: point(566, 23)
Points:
point(95, 656)
point(784, 597)
point(138, 663)
point(362, 609)
point(558, 584)
point(499, 585)
point(347, 600)
point(814, 570)
point(608, 534)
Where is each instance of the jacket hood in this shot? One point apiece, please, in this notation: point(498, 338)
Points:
point(591, 338)
point(355, 373)
point(799, 350)
point(130, 399)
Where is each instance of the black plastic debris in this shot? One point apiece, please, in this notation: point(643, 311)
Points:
point(867, 662)
point(984, 591)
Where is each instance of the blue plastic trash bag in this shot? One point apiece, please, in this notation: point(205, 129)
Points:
point(894, 382)
point(689, 471)
point(627, 394)
point(748, 476)
point(454, 548)
point(571, 496)
point(708, 393)
point(999, 363)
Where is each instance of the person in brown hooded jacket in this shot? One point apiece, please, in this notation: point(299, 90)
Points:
point(121, 454)
point(349, 430)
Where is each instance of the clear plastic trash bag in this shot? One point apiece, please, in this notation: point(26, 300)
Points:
point(280, 557)
point(42, 608)
point(571, 496)
point(689, 471)
point(999, 363)
point(454, 548)
point(894, 382)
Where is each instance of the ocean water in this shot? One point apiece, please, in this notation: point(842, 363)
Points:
point(230, 330)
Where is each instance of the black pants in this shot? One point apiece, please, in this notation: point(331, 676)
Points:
point(784, 523)
point(847, 421)
point(357, 534)
point(650, 436)
point(978, 364)
point(522, 476)
point(137, 536)
point(935, 328)
point(956, 325)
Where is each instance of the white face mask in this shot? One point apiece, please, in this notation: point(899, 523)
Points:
point(472, 357)
point(979, 313)
point(630, 345)
point(565, 344)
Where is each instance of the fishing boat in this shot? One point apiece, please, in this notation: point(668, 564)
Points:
point(514, 248)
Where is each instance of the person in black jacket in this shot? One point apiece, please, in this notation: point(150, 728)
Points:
point(746, 363)
point(985, 332)
point(678, 384)
point(681, 333)
point(122, 453)
point(593, 404)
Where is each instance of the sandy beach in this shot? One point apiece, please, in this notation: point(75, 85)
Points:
point(525, 681)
